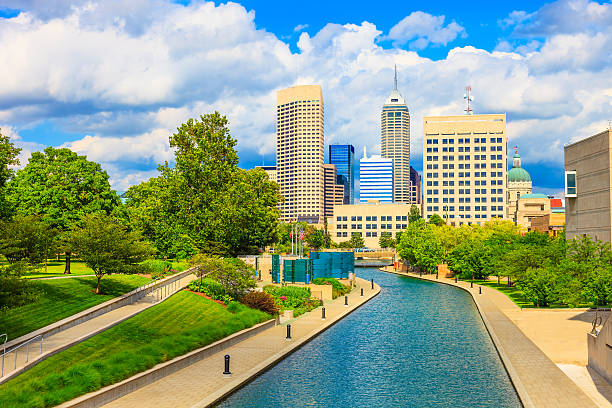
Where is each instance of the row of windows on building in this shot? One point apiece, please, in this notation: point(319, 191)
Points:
point(466, 157)
point(466, 174)
point(466, 149)
point(373, 218)
point(467, 183)
point(466, 140)
point(465, 166)
point(371, 226)
point(445, 200)
point(465, 191)
point(368, 234)
point(465, 208)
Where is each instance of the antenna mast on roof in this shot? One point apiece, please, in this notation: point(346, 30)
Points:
point(468, 98)
point(395, 79)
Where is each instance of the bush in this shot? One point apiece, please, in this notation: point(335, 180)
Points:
point(14, 290)
point(261, 301)
point(338, 289)
point(212, 289)
point(293, 298)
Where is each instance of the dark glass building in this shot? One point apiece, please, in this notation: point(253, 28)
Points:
point(343, 156)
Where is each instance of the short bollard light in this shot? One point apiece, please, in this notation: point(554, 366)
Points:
point(227, 372)
point(480, 290)
point(322, 313)
point(455, 279)
point(372, 281)
point(362, 292)
point(471, 284)
point(345, 300)
point(436, 275)
point(288, 338)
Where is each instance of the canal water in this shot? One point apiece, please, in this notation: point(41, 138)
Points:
point(416, 344)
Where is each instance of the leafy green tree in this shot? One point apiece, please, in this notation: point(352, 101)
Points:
point(205, 203)
point(414, 214)
point(420, 246)
point(316, 239)
point(385, 240)
point(8, 157)
point(14, 290)
point(356, 241)
point(436, 220)
point(61, 187)
point(539, 286)
point(26, 238)
point(106, 246)
point(236, 277)
point(598, 286)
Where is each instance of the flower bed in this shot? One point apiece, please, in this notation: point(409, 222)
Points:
point(293, 298)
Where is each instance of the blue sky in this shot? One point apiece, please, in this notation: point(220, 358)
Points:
point(112, 79)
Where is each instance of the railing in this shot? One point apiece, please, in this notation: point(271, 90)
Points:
point(3, 352)
point(15, 350)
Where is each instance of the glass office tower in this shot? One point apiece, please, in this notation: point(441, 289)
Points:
point(343, 156)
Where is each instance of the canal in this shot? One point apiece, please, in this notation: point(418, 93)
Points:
point(417, 344)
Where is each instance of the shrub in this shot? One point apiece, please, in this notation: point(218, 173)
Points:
point(338, 289)
point(212, 289)
point(293, 298)
point(261, 301)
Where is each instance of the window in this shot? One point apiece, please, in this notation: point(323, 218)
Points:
point(571, 189)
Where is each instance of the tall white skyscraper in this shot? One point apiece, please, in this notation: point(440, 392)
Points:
point(375, 178)
point(395, 142)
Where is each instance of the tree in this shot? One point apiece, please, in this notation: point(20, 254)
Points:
point(26, 238)
point(106, 246)
point(8, 157)
point(236, 277)
point(385, 240)
point(420, 247)
point(61, 187)
point(14, 290)
point(539, 286)
point(316, 239)
point(414, 214)
point(205, 202)
point(356, 241)
point(436, 220)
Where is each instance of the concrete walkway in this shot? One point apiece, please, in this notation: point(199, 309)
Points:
point(202, 384)
point(538, 380)
point(66, 338)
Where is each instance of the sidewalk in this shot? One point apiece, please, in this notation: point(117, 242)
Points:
point(538, 380)
point(66, 338)
point(202, 384)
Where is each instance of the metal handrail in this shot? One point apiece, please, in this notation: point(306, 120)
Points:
point(16, 349)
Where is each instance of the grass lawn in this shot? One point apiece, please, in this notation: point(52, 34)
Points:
point(62, 298)
point(56, 268)
point(183, 323)
point(514, 293)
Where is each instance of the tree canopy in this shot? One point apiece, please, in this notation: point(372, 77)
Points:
point(8, 157)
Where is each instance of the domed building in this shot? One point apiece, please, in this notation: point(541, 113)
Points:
point(519, 183)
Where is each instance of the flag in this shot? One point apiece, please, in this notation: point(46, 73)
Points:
point(302, 235)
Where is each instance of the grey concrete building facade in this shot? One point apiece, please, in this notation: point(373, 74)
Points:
point(587, 187)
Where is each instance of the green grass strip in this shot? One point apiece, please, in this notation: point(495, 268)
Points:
point(181, 324)
point(61, 298)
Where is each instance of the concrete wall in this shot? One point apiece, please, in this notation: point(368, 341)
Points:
point(589, 212)
point(600, 350)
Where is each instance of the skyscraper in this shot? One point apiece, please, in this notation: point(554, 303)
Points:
point(343, 156)
point(375, 178)
point(395, 142)
point(464, 167)
point(334, 191)
point(416, 186)
point(300, 152)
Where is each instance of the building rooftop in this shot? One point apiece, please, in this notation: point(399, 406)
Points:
point(534, 195)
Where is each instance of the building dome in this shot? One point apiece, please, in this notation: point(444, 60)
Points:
point(516, 173)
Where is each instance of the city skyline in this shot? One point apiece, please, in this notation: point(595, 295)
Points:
point(548, 67)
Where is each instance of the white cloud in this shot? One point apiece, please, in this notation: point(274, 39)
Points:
point(127, 85)
point(300, 27)
point(422, 29)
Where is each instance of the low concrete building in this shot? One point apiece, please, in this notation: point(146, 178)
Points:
point(588, 198)
point(551, 224)
point(370, 220)
point(531, 206)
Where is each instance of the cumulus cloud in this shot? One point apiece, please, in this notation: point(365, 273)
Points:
point(422, 29)
point(126, 79)
point(300, 27)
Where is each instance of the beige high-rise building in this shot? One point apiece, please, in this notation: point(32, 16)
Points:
point(395, 143)
point(464, 167)
point(299, 152)
point(270, 171)
point(333, 192)
point(588, 192)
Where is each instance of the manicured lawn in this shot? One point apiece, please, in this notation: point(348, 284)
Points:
point(56, 268)
point(61, 298)
point(514, 293)
point(183, 323)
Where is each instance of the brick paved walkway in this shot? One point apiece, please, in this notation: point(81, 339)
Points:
point(68, 337)
point(539, 382)
point(202, 383)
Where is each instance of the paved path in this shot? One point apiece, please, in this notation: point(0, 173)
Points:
point(201, 384)
point(538, 380)
point(71, 336)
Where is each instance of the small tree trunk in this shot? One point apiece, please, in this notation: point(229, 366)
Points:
point(200, 285)
point(58, 257)
point(498, 279)
point(67, 269)
point(98, 286)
